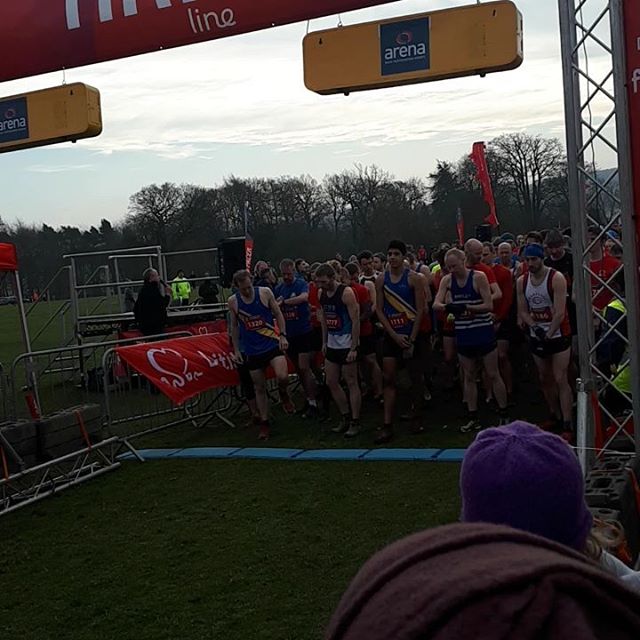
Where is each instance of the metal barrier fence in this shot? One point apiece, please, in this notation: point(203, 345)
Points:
point(90, 374)
point(55, 379)
point(34, 484)
point(135, 408)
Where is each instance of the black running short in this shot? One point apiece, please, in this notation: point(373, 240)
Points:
point(337, 356)
point(367, 345)
point(316, 340)
point(475, 352)
point(506, 330)
point(263, 360)
point(549, 348)
point(246, 382)
point(299, 344)
point(391, 349)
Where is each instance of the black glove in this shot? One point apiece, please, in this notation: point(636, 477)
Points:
point(456, 309)
point(541, 334)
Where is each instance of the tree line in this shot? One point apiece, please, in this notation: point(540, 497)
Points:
point(299, 216)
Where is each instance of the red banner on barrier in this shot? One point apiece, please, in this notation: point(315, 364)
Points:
point(48, 35)
point(632, 46)
point(196, 329)
point(184, 367)
point(8, 257)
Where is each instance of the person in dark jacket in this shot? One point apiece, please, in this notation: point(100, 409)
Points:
point(613, 344)
point(483, 582)
point(150, 309)
point(208, 291)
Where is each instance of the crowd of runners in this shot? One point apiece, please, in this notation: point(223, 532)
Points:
point(349, 326)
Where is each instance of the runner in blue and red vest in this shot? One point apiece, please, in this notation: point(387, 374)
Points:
point(400, 299)
point(292, 294)
point(258, 325)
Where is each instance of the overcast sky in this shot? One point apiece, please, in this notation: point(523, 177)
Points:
point(239, 106)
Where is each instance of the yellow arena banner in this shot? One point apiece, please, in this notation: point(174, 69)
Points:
point(451, 43)
point(60, 114)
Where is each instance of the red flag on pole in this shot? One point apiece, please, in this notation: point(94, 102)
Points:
point(248, 240)
point(460, 226)
point(479, 159)
point(8, 257)
point(248, 251)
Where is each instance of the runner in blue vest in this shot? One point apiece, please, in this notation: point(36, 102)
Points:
point(339, 315)
point(292, 294)
point(466, 295)
point(255, 314)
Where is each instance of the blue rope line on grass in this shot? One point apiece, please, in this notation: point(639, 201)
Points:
point(259, 453)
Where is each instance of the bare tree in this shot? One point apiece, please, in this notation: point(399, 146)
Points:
point(154, 210)
point(529, 164)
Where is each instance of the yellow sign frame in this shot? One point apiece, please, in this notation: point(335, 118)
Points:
point(60, 114)
point(470, 40)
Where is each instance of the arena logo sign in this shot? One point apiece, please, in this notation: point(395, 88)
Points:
point(14, 120)
point(199, 21)
point(404, 46)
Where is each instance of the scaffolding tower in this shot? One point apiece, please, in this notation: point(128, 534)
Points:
point(598, 136)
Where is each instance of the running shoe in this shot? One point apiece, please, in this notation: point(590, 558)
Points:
point(342, 427)
point(287, 405)
point(383, 435)
point(264, 433)
point(304, 409)
point(472, 425)
point(554, 425)
point(354, 430)
point(311, 413)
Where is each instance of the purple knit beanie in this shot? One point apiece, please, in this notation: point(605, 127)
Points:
point(528, 479)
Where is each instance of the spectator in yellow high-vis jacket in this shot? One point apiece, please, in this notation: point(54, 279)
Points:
point(181, 289)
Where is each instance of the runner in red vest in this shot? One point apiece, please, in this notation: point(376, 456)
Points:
point(473, 251)
point(502, 312)
point(365, 295)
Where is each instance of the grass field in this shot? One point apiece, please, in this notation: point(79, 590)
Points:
point(204, 549)
point(56, 334)
point(187, 550)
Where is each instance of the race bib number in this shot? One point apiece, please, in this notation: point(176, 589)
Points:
point(398, 321)
point(542, 315)
point(291, 313)
point(255, 323)
point(334, 322)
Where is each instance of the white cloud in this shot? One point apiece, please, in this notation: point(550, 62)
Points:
point(239, 106)
point(59, 168)
point(248, 90)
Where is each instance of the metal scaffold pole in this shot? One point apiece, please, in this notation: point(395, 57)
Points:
point(575, 162)
point(601, 208)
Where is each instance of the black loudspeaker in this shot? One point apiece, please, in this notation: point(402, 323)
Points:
point(231, 258)
point(483, 232)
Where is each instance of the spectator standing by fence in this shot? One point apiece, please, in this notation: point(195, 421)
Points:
point(150, 308)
